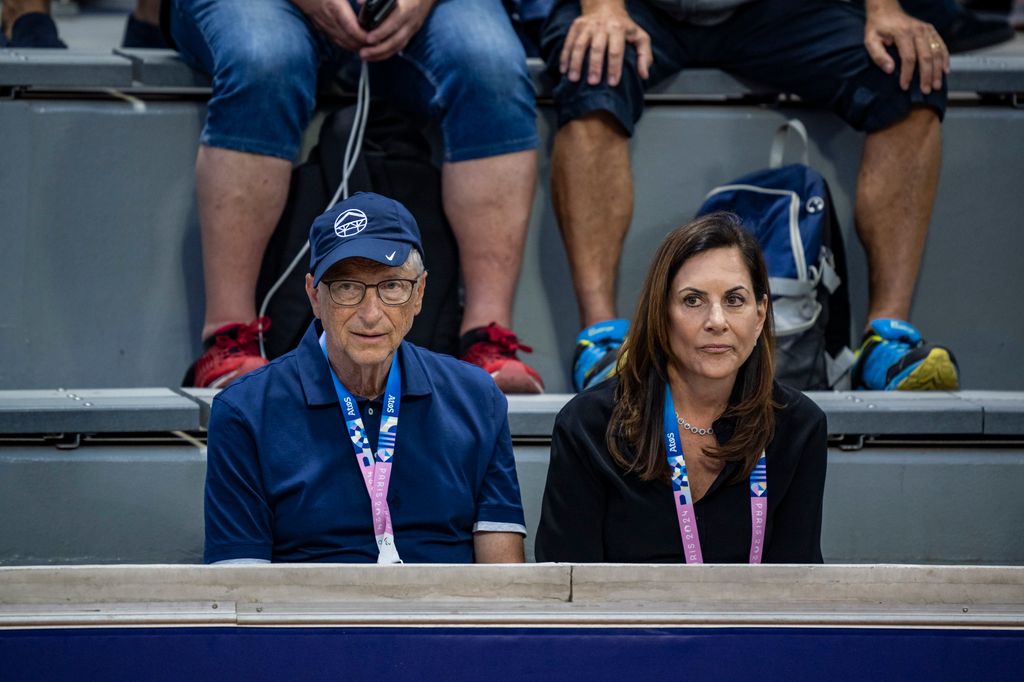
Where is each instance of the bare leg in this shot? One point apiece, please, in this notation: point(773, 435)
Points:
point(148, 11)
point(13, 9)
point(240, 198)
point(488, 202)
point(592, 190)
point(899, 175)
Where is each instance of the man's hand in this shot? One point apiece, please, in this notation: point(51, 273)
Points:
point(336, 20)
point(603, 28)
point(917, 42)
point(394, 34)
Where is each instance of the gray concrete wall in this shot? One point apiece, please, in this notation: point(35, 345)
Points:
point(142, 503)
point(100, 269)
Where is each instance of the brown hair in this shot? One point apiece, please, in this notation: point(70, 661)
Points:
point(636, 421)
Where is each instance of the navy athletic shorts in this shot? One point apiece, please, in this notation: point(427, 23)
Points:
point(810, 48)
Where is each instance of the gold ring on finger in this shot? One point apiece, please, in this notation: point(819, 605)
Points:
point(935, 46)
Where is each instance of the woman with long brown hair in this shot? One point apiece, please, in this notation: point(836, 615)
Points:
point(691, 452)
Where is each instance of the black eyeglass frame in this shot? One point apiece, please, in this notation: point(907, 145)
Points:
point(376, 287)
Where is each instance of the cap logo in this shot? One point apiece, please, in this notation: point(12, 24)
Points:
point(350, 223)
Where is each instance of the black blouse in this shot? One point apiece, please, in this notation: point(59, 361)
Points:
point(594, 512)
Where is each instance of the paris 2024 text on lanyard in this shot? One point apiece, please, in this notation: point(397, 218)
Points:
point(684, 497)
point(376, 468)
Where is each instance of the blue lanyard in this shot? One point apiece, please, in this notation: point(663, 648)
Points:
point(683, 496)
point(375, 467)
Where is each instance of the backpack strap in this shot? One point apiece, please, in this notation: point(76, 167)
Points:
point(838, 368)
point(779, 142)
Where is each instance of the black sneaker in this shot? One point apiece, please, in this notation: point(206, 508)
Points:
point(138, 33)
point(35, 29)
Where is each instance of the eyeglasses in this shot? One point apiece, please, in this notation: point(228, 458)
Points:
point(347, 292)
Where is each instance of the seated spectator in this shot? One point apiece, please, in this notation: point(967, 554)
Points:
point(299, 448)
point(880, 69)
point(456, 61)
point(666, 462)
point(27, 23)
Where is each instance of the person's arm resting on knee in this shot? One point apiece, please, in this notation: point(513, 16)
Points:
point(603, 28)
point(917, 42)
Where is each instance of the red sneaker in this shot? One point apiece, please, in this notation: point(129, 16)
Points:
point(232, 351)
point(494, 348)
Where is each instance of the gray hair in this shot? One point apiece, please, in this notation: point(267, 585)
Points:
point(415, 261)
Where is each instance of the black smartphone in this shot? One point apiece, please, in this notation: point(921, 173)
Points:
point(374, 12)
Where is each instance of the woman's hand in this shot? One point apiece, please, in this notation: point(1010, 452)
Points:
point(603, 29)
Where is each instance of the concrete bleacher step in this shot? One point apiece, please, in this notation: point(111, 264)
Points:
point(123, 410)
point(990, 413)
point(121, 68)
point(123, 479)
point(136, 410)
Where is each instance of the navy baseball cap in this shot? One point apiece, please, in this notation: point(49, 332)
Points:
point(365, 225)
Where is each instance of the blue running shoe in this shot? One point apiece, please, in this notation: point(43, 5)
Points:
point(597, 348)
point(894, 357)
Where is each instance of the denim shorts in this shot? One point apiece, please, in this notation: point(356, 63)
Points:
point(811, 48)
point(465, 67)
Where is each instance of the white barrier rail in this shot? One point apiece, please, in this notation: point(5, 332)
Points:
point(520, 595)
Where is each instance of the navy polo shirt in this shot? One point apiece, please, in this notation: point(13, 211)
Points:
point(282, 482)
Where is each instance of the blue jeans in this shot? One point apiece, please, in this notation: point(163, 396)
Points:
point(465, 67)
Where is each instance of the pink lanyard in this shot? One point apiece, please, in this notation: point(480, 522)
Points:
point(376, 468)
point(683, 496)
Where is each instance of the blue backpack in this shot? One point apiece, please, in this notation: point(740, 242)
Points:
point(789, 209)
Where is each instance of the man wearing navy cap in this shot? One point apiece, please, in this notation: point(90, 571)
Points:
point(358, 446)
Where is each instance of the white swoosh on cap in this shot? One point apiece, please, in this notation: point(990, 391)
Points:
point(391, 256)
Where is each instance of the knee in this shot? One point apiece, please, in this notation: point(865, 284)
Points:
point(876, 102)
point(271, 70)
point(263, 98)
point(921, 123)
point(489, 75)
point(924, 120)
point(594, 128)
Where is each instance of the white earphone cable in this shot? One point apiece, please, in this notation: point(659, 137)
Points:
point(352, 147)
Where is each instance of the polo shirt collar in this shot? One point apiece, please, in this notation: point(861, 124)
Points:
point(415, 381)
point(315, 372)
